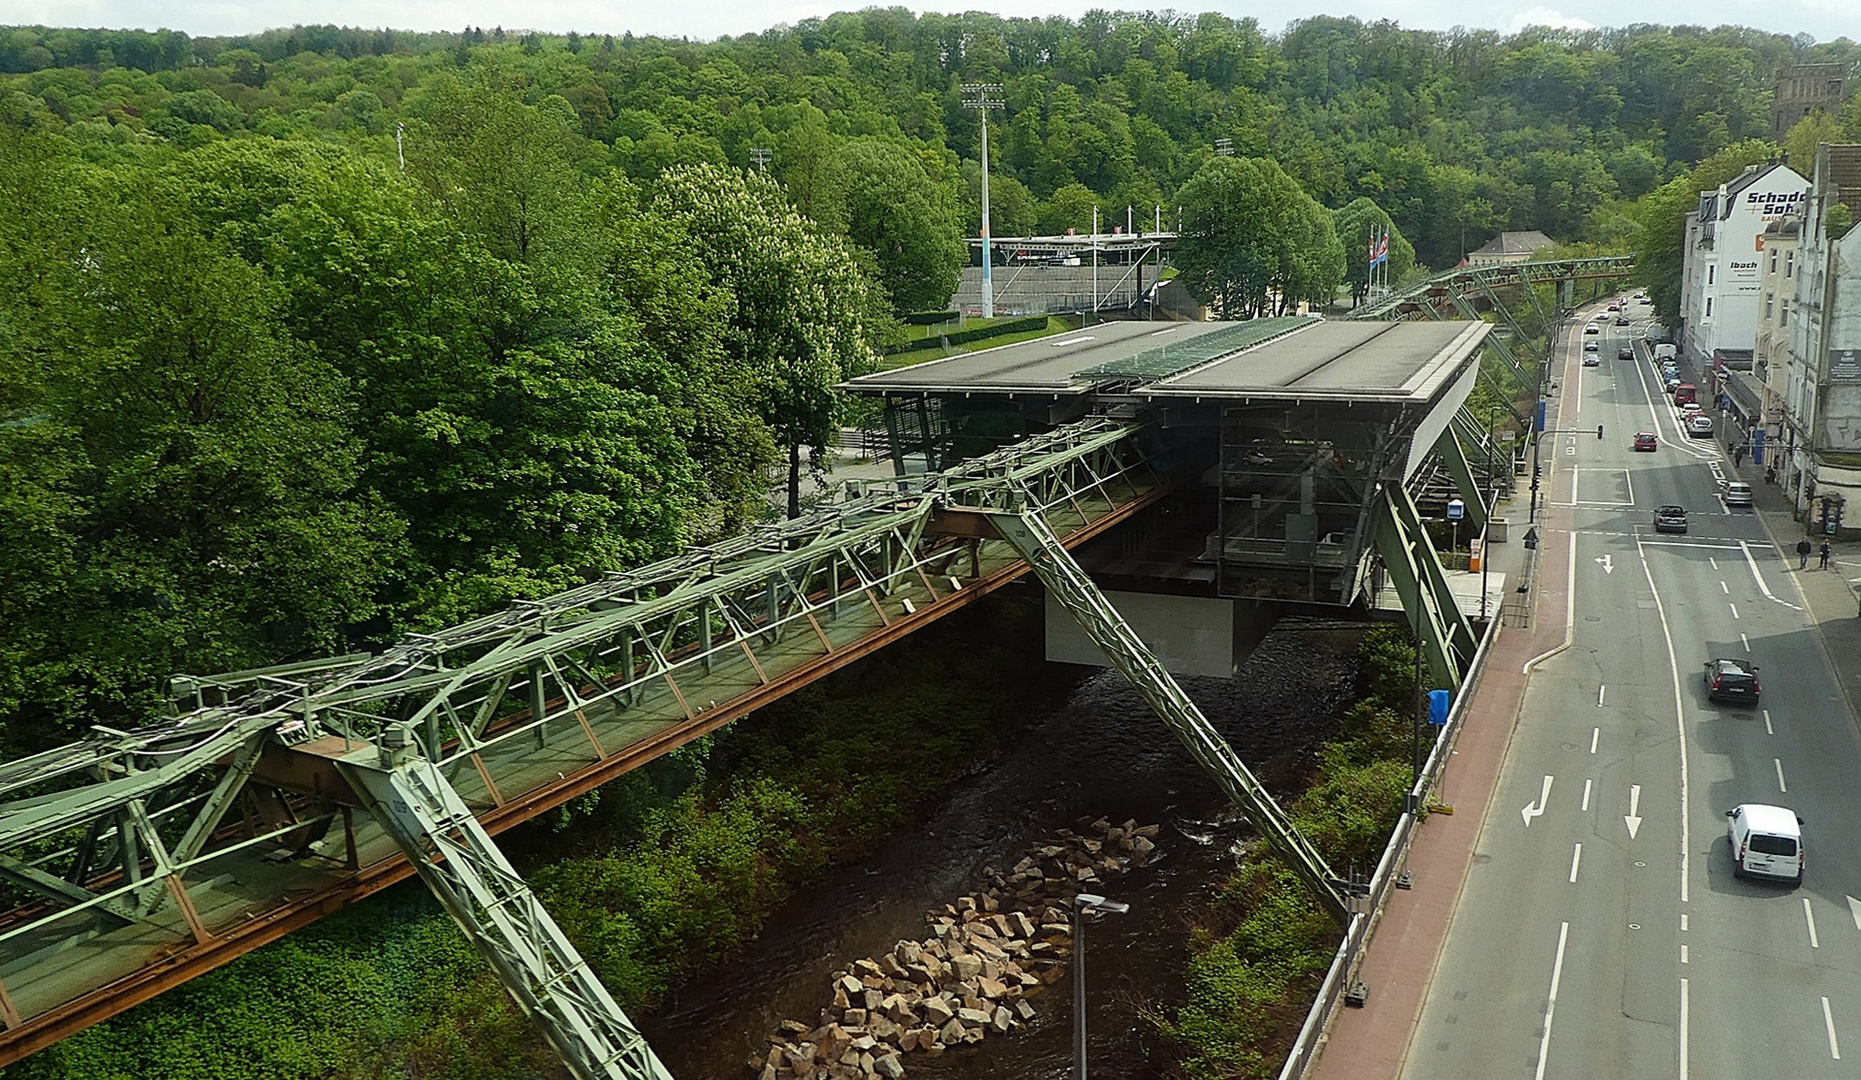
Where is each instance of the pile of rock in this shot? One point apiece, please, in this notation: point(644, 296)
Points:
point(986, 954)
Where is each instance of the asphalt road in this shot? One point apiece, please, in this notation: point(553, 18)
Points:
point(1601, 932)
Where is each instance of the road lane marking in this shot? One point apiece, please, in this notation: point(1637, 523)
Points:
point(1606, 563)
point(1550, 1006)
point(1767, 723)
point(1759, 578)
point(1599, 695)
point(1780, 784)
point(1536, 809)
point(1576, 857)
point(1680, 724)
point(1684, 1010)
point(1734, 608)
point(1595, 733)
point(1746, 640)
point(1724, 588)
point(1809, 916)
point(1683, 952)
point(1683, 922)
point(1586, 794)
point(1828, 1021)
point(1713, 561)
point(1633, 818)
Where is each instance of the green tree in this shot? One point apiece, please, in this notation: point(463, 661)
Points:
point(1660, 230)
point(1352, 223)
point(907, 219)
point(805, 316)
point(1253, 242)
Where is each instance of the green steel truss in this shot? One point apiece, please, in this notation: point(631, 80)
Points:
point(133, 859)
point(1074, 590)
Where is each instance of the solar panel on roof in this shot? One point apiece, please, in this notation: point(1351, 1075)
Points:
point(1171, 357)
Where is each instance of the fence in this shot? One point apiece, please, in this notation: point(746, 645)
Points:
point(1344, 964)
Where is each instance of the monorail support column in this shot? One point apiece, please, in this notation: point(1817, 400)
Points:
point(1415, 573)
point(499, 913)
point(1454, 456)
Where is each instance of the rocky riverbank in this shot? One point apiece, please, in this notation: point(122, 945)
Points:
point(970, 977)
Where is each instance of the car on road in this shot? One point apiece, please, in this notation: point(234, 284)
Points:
point(1670, 518)
point(1615, 305)
point(1590, 346)
point(1685, 392)
point(1670, 382)
point(1625, 353)
point(1621, 320)
point(1592, 359)
point(1738, 493)
point(1592, 329)
point(1646, 440)
point(1767, 841)
point(1668, 367)
point(1688, 408)
point(1731, 680)
point(1641, 298)
point(1699, 425)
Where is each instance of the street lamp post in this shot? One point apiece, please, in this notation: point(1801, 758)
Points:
point(1085, 904)
point(982, 97)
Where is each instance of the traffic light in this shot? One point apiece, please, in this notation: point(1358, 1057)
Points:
point(1599, 431)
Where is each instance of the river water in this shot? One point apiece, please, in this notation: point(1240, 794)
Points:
point(1102, 753)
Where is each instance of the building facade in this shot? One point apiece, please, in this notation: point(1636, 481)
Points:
point(1720, 298)
point(1823, 395)
point(1770, 355)
point(1510, 247)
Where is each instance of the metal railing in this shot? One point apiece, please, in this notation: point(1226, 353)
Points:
point(1349, 957)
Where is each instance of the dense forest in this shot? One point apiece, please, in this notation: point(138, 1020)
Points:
point(315, 337)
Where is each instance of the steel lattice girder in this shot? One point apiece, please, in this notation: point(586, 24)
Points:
point(1414, 568)
point(499, 914)
point(1074, 590)
point(1405, 304)
point(1455, 458)
point(119, 838)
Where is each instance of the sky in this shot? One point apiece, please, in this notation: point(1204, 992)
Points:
point(1823, 20)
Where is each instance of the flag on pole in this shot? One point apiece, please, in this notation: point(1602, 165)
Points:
point(1379, 247)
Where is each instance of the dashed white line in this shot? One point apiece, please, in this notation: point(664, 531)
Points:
point(1683, 952)
point(1724, 588)
point(1683, 922)
point(1746, 640)
point(1586, 794)
point(1767, 723)
point(1734, 608)
point(1809, 916)
point(1595, 733)
point(1713, 561)
point(1780, 784)
point(1599, 695)
point(1550, 1007)
point(1828, 1022)
point(1576, 857)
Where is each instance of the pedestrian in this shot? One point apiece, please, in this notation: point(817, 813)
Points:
point(1738, 455)
point(1803, 548)
point(1825, 556)
point(1770, 474)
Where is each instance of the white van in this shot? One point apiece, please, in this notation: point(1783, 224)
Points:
point(1767, 841)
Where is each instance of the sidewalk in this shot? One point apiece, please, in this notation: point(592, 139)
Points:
point(1372, 1042)
point(1834, 606)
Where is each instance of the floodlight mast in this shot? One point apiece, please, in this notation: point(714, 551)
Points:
point(982, 97)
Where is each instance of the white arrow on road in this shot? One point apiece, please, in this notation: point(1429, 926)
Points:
point(1608, 566)
point(1854, 908)
point(1634, 810)
point(1533, 810)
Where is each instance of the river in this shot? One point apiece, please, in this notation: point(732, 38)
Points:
point(1102, 753)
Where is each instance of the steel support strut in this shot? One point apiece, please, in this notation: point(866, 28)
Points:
point(1075, 591)
point(1415, 573)
point(499, 913)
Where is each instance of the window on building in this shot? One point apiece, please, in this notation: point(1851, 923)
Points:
point(1770, 304)
point(1709, 306)
point(1773, 262)
point(1789, 262)
point(1783, 313)
point(1709, 274)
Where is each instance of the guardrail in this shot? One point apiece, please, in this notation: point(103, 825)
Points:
point(1344, 965)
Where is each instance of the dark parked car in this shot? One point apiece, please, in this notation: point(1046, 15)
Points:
point(1732, 680)
point(1670, 519)
point(1621, 320)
